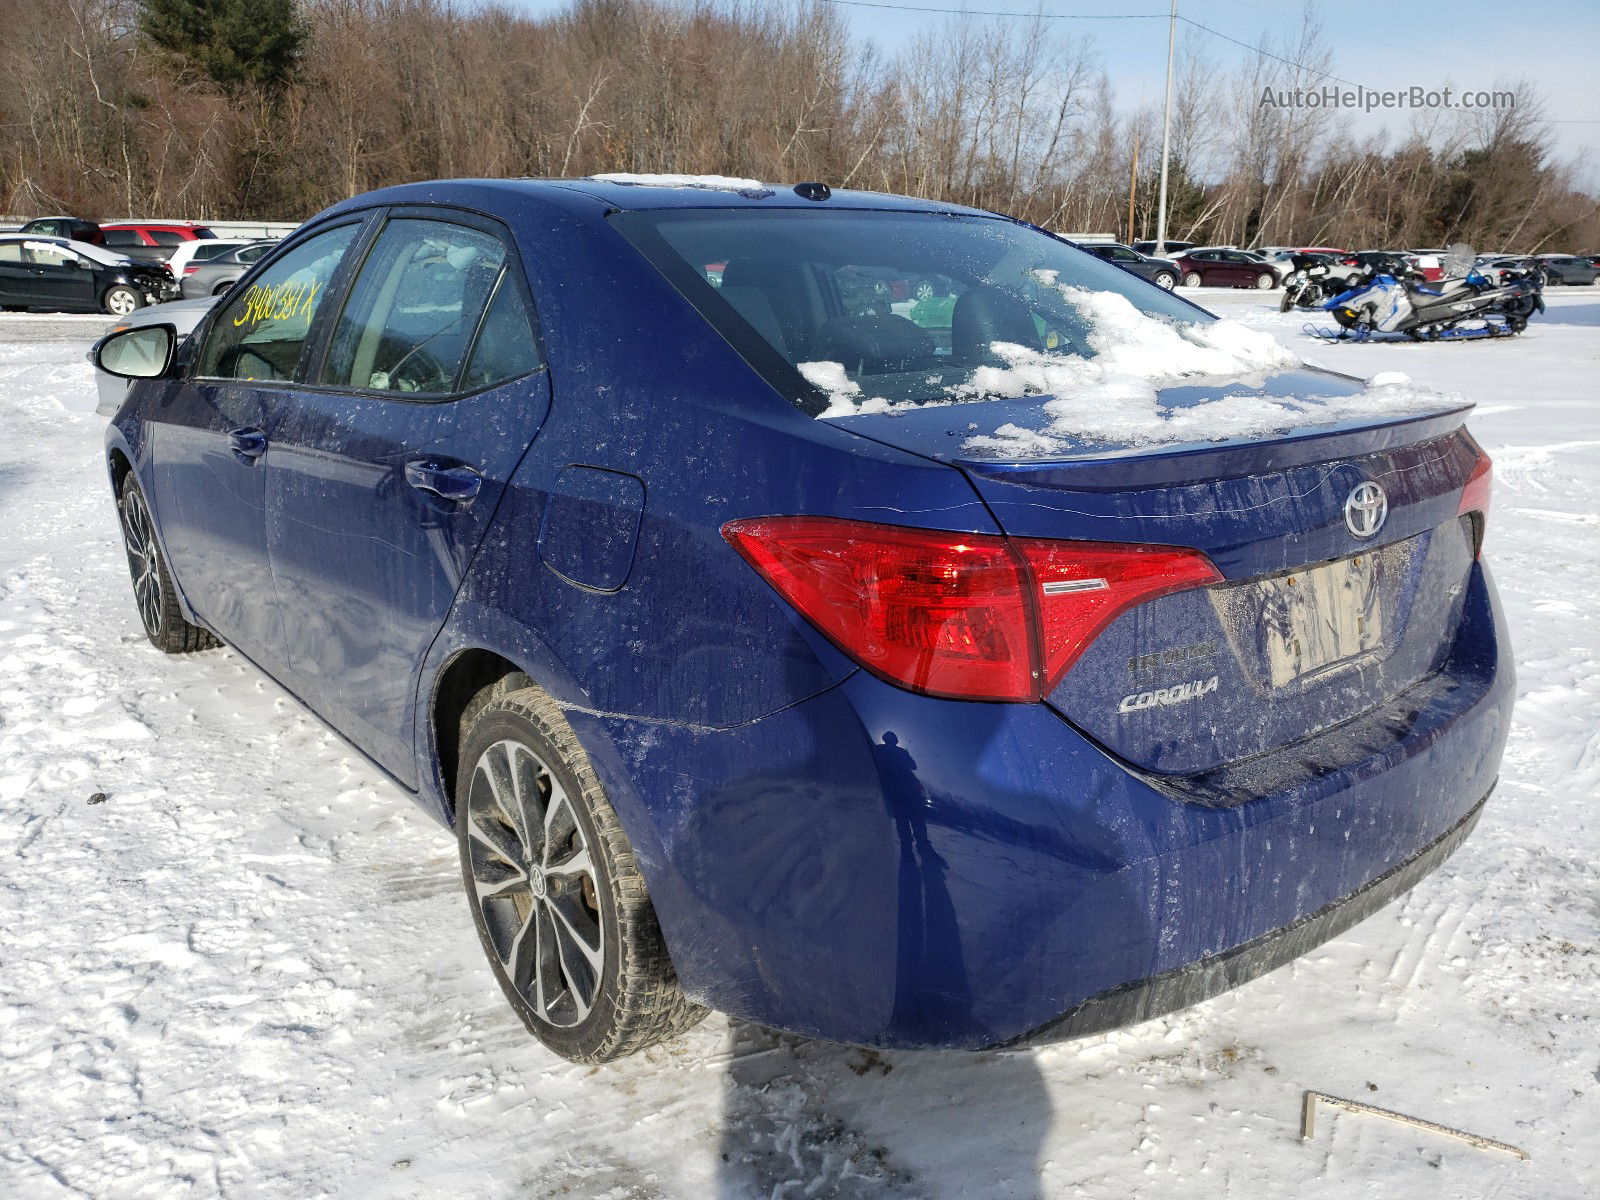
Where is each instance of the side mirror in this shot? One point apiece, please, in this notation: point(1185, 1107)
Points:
point(143, 352)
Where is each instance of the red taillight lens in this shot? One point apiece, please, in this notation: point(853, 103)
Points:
point(1084, 586)
point(970, 616)
point(190, 270)
point(1475, 498)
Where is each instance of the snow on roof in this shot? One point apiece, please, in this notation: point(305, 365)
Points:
point(710, 183)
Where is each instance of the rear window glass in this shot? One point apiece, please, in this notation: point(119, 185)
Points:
point(899, 307)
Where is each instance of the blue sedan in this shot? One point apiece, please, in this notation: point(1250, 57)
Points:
point(779, 639)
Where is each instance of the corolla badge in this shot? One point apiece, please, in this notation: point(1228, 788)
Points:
point(1366, 509)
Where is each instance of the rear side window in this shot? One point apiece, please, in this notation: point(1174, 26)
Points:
point(506, 344)
point(123, 237)
point(250, 253)
point(165, 237)
point(260, 331)
point(10, 252)
point(415, 309)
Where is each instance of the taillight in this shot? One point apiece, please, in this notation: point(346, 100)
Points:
point(190, 270)
point(1475, 499)
point(968, 616)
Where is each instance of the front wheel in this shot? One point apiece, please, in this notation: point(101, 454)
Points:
point(1192, 279)
point(121, 300)
point(557, 897)
point(1166, 279)
point(153, 592)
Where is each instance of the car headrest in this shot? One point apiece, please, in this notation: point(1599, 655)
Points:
point(985, 315)
point(874, 343)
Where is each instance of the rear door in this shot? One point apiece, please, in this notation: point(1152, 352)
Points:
point(386, 465)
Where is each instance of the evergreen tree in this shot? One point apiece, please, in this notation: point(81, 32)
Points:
point(234, 43)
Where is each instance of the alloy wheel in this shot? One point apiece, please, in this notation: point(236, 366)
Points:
point(120, 302)
point(533, 879)
point(144, 559)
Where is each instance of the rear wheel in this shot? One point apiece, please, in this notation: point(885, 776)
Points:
point(121, 300)
point(1192, 279)
point(557, 897)
point(1265, 280)
point(221, 289)
point(157, 599)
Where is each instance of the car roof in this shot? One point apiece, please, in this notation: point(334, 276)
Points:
point(638, 197)
point(154, 225)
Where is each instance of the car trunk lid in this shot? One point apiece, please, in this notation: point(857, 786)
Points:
point(1312, 623)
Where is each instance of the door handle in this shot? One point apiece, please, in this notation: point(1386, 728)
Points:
point(248, 444)
point(448, 481)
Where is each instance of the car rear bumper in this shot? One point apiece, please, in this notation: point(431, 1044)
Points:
point(1180, 987)
point(880, 868)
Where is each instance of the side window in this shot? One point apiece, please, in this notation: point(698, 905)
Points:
point(260, 331)
point(250, 253)
point(123, 237)
point(165, 237)
point(10, 252)
point(409, 323)
point(506, 345)
point(48, 254)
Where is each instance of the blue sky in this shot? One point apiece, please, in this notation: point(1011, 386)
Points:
point(1468, 43)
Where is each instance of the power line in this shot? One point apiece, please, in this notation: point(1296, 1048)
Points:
point(1266, 53)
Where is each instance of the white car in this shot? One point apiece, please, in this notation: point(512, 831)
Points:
point(199, 250)
point(182, 315)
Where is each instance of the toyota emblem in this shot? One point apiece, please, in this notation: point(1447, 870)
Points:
point(1365, 509)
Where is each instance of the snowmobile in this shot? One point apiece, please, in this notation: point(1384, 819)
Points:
point(1465, 305)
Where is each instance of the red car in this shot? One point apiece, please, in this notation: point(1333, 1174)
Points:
point(128, 234)
point(1224, 268)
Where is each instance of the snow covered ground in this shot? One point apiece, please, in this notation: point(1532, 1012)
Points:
point(249, 972)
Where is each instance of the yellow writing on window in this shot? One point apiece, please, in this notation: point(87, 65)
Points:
point(291, 298)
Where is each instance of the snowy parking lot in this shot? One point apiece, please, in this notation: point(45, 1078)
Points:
point(236, 962)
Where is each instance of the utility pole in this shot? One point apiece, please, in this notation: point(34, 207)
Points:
point(1133, 185)
point(1166, 133)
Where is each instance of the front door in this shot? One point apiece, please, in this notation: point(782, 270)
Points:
point(385, 470)
point(210, 449)
point(62, 278)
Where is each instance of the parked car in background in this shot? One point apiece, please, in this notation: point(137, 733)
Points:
point(63, 275)
point(1158, 271)
point(74, 229)
point(1428, 263)
point(182, 315)
point(757, 668)
point(190, 254)
point(1226, 268)
point(1498, 267)
point(167, 235)
point(1173, 249)
point(1566, 268)
point(216, 275)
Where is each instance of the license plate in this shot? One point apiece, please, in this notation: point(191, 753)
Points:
point(1321, 619)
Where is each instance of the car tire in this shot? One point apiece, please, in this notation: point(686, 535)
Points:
point(222, 289)
point(1192, 279)
point(153, 592)
point(543, 856)
point(924, 290)
point(1265, 280)
point(1166, 279)
point(120, 300)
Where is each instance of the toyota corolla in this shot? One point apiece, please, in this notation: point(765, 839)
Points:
point(955, 670)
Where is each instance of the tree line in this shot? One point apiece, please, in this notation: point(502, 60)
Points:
point(272, 109)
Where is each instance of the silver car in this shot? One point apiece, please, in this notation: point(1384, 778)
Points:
point(182, 315)
point(217, 275)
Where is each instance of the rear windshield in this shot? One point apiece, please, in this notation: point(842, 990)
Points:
point(897, 307)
